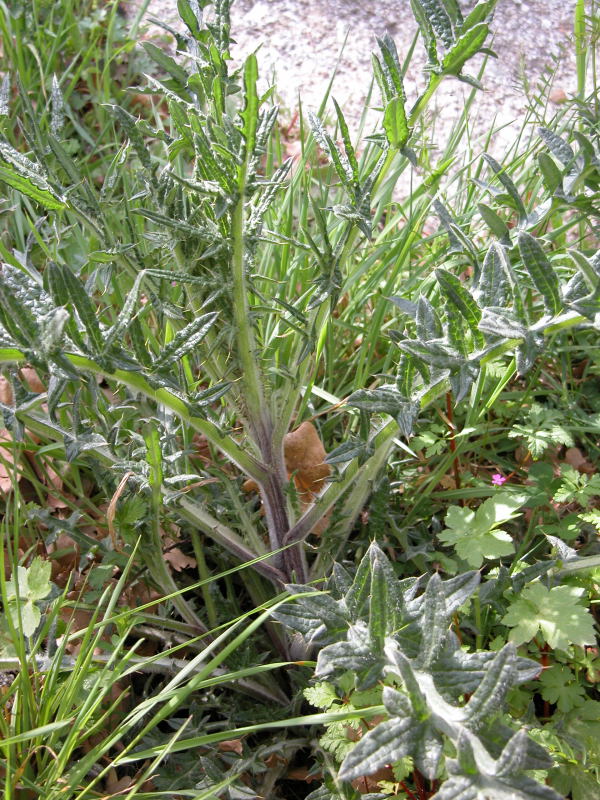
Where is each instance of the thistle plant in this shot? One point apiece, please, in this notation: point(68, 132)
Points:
point(208, 281)
point(377, 633)
point(184, 304)
point(184, 219)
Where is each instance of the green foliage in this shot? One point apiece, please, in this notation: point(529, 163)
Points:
point(475, 535)
point(560, 686)
point(32, 584)
point(556, 613)
point(576, 487)
point(542, 427)
point(188, 297)
point(406, 643)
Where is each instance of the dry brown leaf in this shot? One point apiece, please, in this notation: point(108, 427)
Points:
point(576, 459)
point(6, 461)
point(32, 379)
point(6, 393)
point(231, 746)
point(447, 482)
point(68, 555)
point(305, 460)
point(56, 502)
point(112, 508)
point(176, 557)
point(116, 785)
point(370, 783)
point(201, 448)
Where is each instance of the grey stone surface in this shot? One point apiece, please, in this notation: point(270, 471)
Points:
point(300, 42)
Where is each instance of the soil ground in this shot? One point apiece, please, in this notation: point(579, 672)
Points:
point(302, 41)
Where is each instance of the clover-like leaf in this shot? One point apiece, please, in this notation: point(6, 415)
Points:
point(475, 535)
point(556, 612)
point(31, 584)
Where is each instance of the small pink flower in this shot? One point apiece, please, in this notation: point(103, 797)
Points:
point(498, 479)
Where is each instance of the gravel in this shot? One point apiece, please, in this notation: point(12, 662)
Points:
point(301, 41)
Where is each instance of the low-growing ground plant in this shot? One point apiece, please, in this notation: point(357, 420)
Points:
point(223, 356)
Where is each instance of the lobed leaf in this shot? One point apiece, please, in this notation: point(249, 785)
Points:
point(466, 46)
point(185, 340)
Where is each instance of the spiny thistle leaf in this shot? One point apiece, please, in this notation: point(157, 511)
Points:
point(542, 273)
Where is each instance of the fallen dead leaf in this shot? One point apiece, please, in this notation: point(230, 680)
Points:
point(64, 555)
point(370, 783)
point(231, 746)
point(32, 379)
point(305, 460)
point(176, 557)
point(7, 461)
point(6, 392)
point(305, 456)
point(576, 459)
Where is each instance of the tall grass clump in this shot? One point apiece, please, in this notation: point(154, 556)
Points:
point(224, 357)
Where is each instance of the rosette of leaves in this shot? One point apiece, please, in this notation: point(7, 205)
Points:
point(438, 698)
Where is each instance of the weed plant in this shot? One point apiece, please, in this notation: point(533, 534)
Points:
point(223, 357)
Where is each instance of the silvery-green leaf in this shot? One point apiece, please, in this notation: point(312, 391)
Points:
point(355, 654)
point(434, 623)
point(491, 692)
point(387, 742)
point(57, 118)
point(406, 416)
point(395, 123)
point(428, 750)
point(551, 174)
point(348, 147)
point(436, 354)
point(510, 187)
point(36, 188)
point(498, 322)
point(495, 223)
point(514, 755)
point(397, 704)
point(190, 12)
point(384, 400)
point(185, 340)
point(5, 96)
point(454, 329)
point(439, 19)
point(559, 148)
point(338, 159)
point(391, 66)
point(462, 380)
point(493, 288)
point(340, 579)
point(378, 605)
point(449, 225)
point(426, 31)
point(86, 312)
point(480, 12)
point(541, 271)
point(529, 351)
point(404, 375)
point(133, 132)
point(166, 63)
point(406, 306)
point(358, 594)
point(462, 299)
point(466, 46)
point(429, 325)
